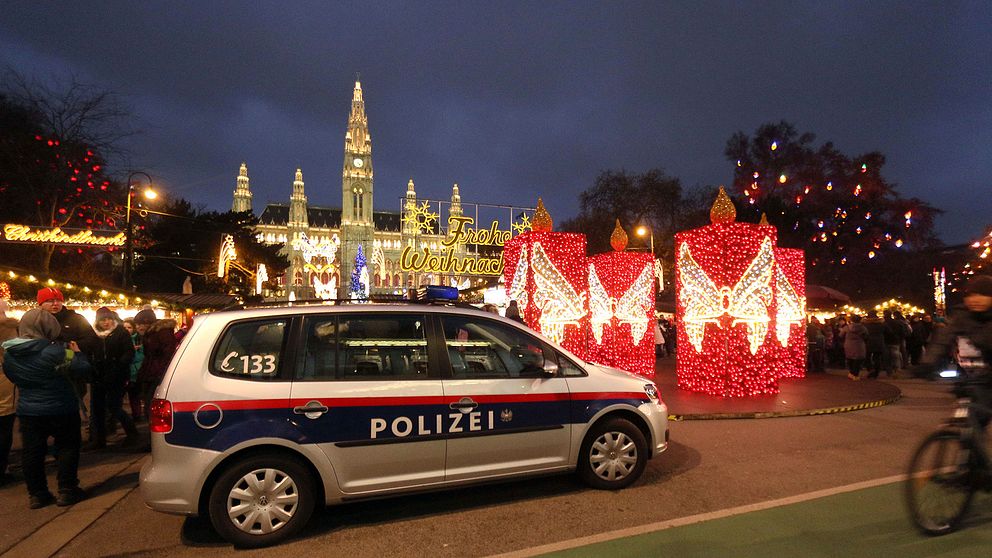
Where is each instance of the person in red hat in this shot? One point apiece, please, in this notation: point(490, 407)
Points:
point(74, 328)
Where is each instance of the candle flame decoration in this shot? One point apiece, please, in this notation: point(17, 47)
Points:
point(723, 209)
point(542, 220)
point(618, 240)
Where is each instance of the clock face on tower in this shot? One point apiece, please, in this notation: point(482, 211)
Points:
point(358, 162)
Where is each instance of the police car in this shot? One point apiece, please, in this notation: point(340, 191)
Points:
point(265, 413)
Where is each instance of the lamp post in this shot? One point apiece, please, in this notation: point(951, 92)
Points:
point(128, 241)
point(642, 231)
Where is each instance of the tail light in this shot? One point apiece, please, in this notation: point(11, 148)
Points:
point(161, 416)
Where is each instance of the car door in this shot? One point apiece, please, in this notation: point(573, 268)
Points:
point(367, 392)
point(509, 409)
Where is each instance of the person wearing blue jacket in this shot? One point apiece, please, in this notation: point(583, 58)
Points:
point(48, 407)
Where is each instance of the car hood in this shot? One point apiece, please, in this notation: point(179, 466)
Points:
point(618, 373)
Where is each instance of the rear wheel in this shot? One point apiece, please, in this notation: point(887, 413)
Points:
point(261, 500)
point(939, 486)
point(613, 454)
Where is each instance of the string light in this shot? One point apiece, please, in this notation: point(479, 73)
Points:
point(725, 305)
point(790, 313)
point(560, 292)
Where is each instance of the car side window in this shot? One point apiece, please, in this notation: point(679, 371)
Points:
point(251, 350)
point(567, 368)
point(480, 348)
point(366, 347)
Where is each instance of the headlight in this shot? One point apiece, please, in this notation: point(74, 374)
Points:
point(652, 391)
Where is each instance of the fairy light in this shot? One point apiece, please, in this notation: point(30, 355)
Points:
point(621, 307)
point(549, 273)
point(724, 308)
point(790, 313)
point(560, 291)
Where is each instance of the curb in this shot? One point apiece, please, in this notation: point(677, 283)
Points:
point(678, 417)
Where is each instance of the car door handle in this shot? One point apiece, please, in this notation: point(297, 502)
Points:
point(312, 407)
point(463, 403)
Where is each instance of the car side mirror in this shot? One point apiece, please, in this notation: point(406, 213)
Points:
point(550, 369)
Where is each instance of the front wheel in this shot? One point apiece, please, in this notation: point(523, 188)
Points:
point(261, 501)
point(613, 455)
point(939, 485)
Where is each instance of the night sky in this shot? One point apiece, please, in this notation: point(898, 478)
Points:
point(515, 100)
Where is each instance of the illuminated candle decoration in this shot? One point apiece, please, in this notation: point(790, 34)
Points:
point(727, 279)
point(560, 291)
point(621, 309)
point(790, 312)
point(547, 274)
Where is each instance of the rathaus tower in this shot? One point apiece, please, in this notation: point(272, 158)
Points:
point(357, 227)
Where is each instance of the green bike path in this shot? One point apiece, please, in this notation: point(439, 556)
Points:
point(866, 522)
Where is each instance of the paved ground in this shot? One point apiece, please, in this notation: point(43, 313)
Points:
point(711, 466)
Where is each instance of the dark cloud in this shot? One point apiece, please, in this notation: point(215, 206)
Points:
point(516, 100)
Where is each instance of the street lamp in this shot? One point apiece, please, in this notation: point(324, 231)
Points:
point(644, 231)
point(128, 241)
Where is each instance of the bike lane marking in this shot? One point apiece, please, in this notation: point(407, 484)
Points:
point(698, 518)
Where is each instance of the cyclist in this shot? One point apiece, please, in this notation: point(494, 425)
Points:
point(968, 337)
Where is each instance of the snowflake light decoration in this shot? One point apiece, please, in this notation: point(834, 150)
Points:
point(523, 225)
point(421, 217)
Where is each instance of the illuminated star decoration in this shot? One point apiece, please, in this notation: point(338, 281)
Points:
point(746, 302)
point(421, 217)
point(523, 225)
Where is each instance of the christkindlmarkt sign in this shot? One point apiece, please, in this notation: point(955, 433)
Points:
point(425, 260)
point(57, 235)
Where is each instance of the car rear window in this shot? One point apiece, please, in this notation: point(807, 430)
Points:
point(251, 350)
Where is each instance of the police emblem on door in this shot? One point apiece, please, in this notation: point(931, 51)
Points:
point(506, 415)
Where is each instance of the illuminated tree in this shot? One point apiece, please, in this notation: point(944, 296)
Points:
point(359, 287)
point(54, 146)
point(853, 224)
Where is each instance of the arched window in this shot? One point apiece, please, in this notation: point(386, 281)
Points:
point(396, 279)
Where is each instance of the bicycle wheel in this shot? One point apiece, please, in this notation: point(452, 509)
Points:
point(939, 486)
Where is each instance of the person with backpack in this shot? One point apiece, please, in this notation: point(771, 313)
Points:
point(44, 370)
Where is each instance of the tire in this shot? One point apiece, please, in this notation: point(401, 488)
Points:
point(278, 489)
point(613, 454)
point(940, 483)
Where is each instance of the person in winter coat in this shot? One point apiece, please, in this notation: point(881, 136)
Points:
point(159, 341)
point(47, 406)
point(74, 328)
point(878, 356)
point(111, 370)
point(8, 330)
point(855, 337)
point(133, 388)
point(513, 312)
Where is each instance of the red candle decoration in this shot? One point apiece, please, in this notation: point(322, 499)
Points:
point(547, 274)
point(725, 290)
point(621, 311)
point(790, 312)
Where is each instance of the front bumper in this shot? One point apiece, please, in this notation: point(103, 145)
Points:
point(657, 418)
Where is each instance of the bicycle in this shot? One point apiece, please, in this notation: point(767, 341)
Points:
point(951, 464)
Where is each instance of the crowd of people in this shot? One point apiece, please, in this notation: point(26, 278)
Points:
point(57, 370)
point(889, 343)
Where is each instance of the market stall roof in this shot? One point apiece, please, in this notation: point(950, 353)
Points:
point(819, 296)
point(196, 301)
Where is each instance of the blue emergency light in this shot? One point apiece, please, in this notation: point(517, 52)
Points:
point(440, 292)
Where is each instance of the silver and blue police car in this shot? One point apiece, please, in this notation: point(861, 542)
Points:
point(266, 413)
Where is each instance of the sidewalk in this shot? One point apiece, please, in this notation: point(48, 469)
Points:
point(107, 475)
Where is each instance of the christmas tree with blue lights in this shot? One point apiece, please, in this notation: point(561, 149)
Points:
point(359, 288)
